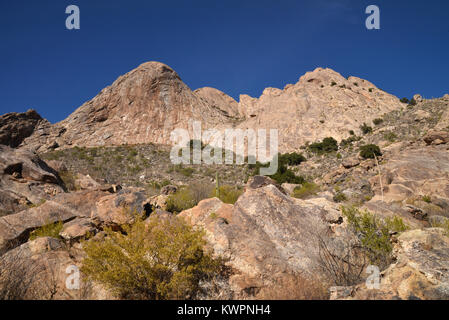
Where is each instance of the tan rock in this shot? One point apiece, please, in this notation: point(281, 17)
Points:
point(265, 235)
point(436, 137)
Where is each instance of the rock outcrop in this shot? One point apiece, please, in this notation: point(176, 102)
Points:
point(25, 180)
point(15, 127)
point(264, 236)
point(148, 103)
point(143, 106)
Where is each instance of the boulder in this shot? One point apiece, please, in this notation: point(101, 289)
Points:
point(25, 180)
point(257, 182)
point(436, 137)
point(350, 163)
point(289, 187)
point(418, 98)
point(15, 228)
point(85, 182)
point(266, 235)
point(78, 229)
point(121, 208)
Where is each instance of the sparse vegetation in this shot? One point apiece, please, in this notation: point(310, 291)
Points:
point(328, 145)
point(370, 151)
point(228, 194)
point(366, 129)
point(306, 190)
point(49, 230)
point(378, 121)
point(340, 197)
point(374, 233)
point(159, 259)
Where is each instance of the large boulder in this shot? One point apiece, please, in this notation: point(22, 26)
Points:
point(25, 180)
point(15, 228)
point(266, 235)
point(415, 172)
point(119, 209)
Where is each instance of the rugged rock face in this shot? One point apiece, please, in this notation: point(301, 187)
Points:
point(142, 106)
point(15, 127)
point(146, 104)
point(420, 270)
point(321, 104)
point(25, 180)
point(264, 236)
point(219, 100)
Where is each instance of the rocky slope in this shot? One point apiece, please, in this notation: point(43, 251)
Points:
point(146, 104)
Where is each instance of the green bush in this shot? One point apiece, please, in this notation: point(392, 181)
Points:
point(182, 200)
point(351, 132)
point(378, 121)
point(49, 230)
point(292, 159)
point(306, 190)
point(366, 128)
point(370, 151)
point(404, 100)
point(427, 199)
point(347, 142)
point(283, 174)
point(328, 145)
point(163, 258)
point(374, 233)
point(227, 194)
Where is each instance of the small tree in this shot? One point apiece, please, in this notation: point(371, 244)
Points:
point(366, 128)
point(370, 151)
point(163, 258)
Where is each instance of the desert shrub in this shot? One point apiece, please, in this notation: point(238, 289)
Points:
point(374, 234)
point(227, 194)
point(185, 171)
point(49, 230)
point(427, 199)
point(351, 132)
point(68, 178)
point(339, 197)
point(328, 144)
point(404, 100)
point(306, 190)
point(390, 136)
point(378, 121)
point(292, 159)
point(159, 259)
point(412, 102)
point(347, 142)
point(370, 151)
point(283, 174)
point(441, 224)
point(188, 196)
point(366, 128)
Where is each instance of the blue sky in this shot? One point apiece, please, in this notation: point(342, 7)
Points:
point(239, 47)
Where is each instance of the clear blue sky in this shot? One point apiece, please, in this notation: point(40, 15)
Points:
point(236, 46)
